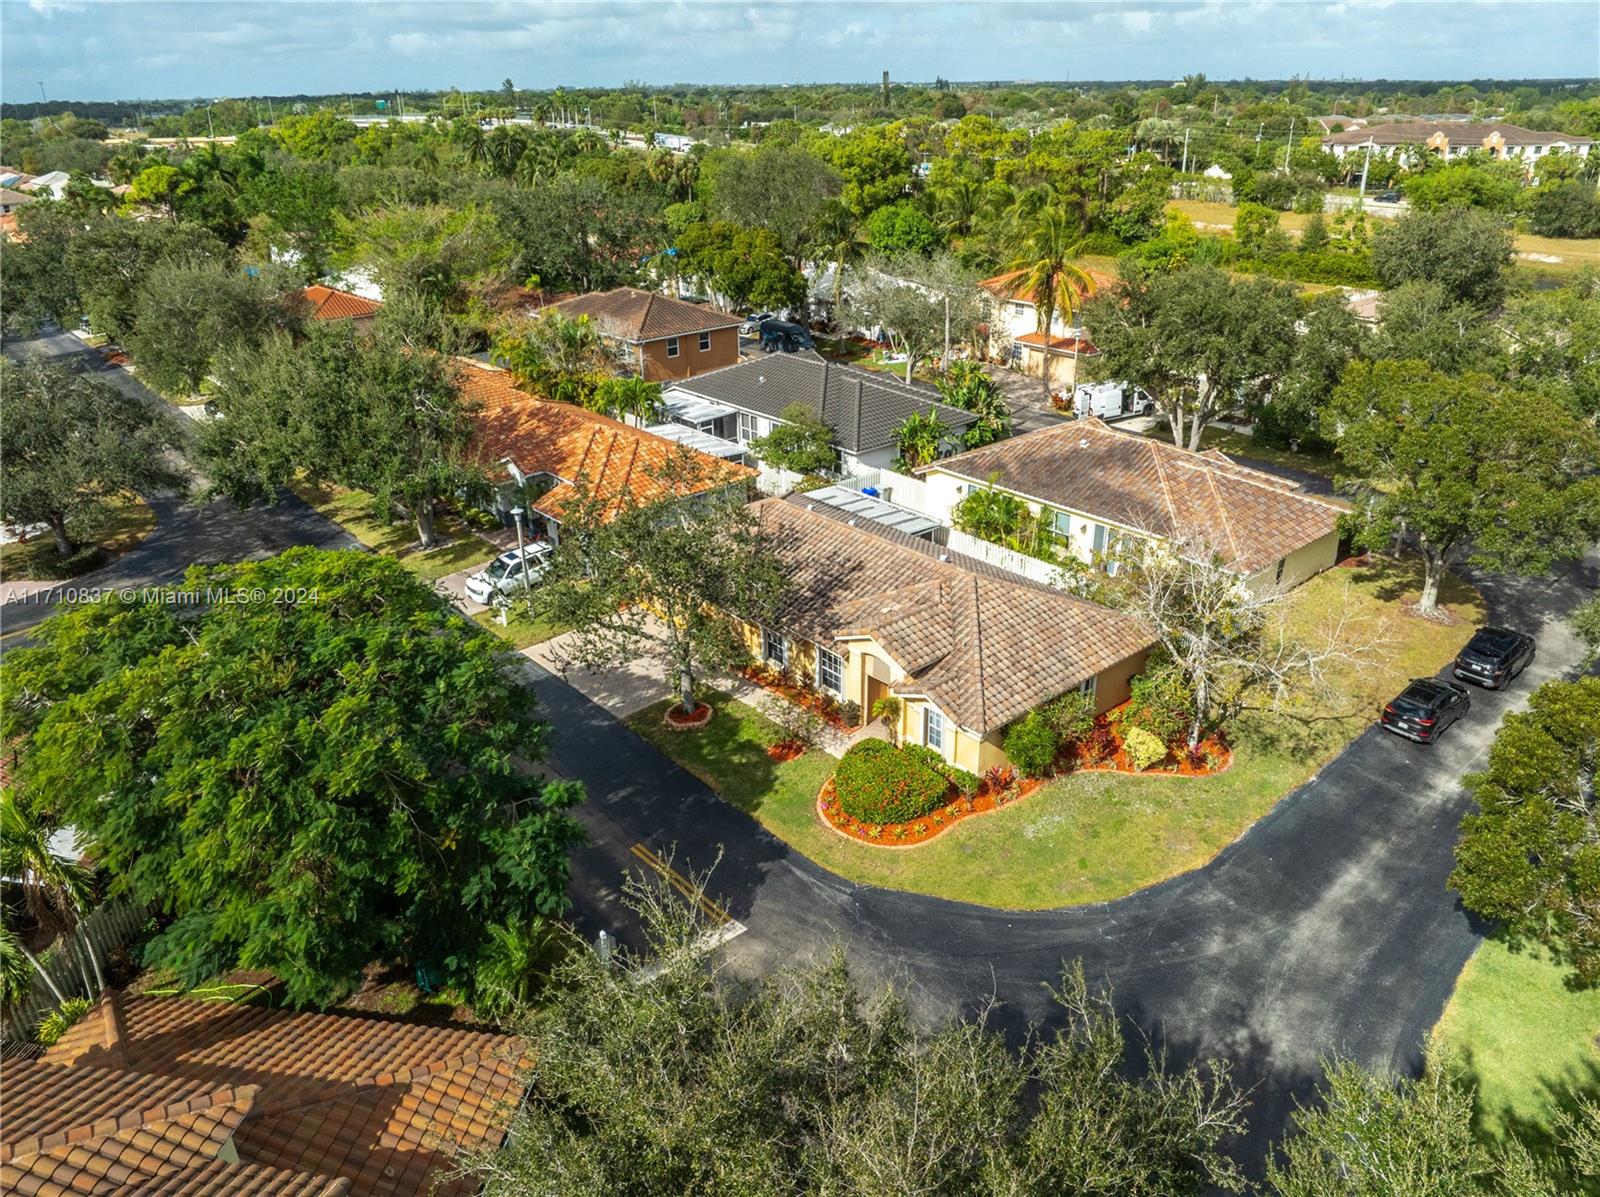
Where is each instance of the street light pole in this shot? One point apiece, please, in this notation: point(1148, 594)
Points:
point(517, 513)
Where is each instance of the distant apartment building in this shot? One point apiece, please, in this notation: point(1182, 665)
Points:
point(1456, 139)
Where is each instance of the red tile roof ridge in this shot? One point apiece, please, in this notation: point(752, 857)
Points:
point(170, 1110)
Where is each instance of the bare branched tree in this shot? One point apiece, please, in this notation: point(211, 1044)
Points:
point(1229, 633)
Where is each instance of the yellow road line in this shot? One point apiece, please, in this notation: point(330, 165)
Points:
point(681, 883)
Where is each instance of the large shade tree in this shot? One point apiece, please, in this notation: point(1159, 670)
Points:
point(1465, 466)
point(308, 764)
point(73, 444)
point(365, 412)
point(922, 304)
point(1467, 251)
point(1529, 857)
point(1200, 343)
point(659, 575)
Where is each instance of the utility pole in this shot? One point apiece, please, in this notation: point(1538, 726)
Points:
point(1185, 168)
point(1289, 147)
point(1365, 162)
point(211, 129)
point(271, 120)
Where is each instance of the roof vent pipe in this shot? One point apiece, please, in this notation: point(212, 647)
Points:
point(855, 418)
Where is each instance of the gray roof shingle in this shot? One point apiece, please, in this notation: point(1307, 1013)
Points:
point(771, 383)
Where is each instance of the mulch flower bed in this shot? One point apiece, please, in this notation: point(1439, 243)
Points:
point(678, 721)
point(918, 831)
point(788, 750)
point(1213, 759)
point(819, 704)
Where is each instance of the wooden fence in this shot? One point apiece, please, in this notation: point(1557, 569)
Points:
point(106, 927)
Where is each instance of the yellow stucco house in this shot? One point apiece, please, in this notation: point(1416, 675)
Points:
point(1096, 486)
point(967, 648)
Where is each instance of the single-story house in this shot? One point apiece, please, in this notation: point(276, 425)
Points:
point(1014, 331)
point(328, 303)
point(543, 454)
point(661, 337)
point(174, 1095)
point(1096, 485)
point(966, 647)
point(11, 200)
point(864, 409)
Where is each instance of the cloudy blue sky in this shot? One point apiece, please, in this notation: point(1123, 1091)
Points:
point(123, 49)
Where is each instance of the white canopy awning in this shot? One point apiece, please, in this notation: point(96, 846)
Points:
point(691, 410)
point(693, 438)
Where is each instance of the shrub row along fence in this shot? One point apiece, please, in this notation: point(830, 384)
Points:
point(106, 927)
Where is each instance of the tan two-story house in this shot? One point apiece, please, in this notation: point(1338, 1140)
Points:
point(966, 647)
point(657, 336)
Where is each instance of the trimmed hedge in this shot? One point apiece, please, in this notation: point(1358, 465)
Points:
point(1032, 744)
point(966, 782)
point(879, 783)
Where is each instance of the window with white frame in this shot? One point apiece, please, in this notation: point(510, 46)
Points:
point(672, 346)
point(830, 671)
point(705, 341)
point(775, 648)
point(933, 729)
point(1016, 351)
point(1019, 309)
point(747, 428)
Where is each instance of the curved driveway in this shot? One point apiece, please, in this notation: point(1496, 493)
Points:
point(1327, 928)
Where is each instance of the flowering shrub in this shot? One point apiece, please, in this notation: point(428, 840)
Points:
point(1002, 782)
point(878, 783)
point(1143, 748)
point(1101, 743)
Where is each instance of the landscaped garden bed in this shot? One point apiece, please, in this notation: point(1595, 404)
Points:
point(950, 806)
point(675, 717)
point(846, 716)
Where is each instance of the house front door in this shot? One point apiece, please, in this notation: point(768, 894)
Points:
point(876, 689)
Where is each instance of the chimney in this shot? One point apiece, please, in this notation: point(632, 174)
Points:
point(855, 416)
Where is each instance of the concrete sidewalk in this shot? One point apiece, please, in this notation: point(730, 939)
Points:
point(625, 690)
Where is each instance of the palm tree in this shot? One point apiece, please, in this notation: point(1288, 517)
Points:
point(467, 135)
point(55, 890)
point(504, 149)
point(1045, 258)
point(921, 438)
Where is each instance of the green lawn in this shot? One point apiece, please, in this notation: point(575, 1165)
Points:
point(520, 629)
point(128, 521)
point(352, 510)
point(1249, 451)
point(1093, 836)
point(1526, 1040)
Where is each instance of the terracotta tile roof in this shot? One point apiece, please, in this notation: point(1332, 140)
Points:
point(983, 644)
point(634, 315)
point(1061, 345)
point(612, 459)
point(328, 304)
point(1250, 517)
point(1459, 133)
point(1008, 285)
point(177, 1096)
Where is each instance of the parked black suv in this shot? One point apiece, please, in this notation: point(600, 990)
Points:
point(1424, 709)
point(1493, 657)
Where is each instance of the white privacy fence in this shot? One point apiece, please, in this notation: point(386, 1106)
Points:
point(1007, 559)
point(106, 927)
point(900, 489)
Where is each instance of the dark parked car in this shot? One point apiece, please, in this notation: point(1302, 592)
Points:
point(1424, 709)
point(1387, 197)
point(1493, 657)
point(782, 336)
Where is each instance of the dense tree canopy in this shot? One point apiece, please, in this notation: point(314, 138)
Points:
point(1528, 857)
point(369, 413)
point(1464, 250)
point(72, 444)
point(1200, 343)
point(307, 763)
point(1464, 465)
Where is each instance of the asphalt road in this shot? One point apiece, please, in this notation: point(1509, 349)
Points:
point(1327, 928)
